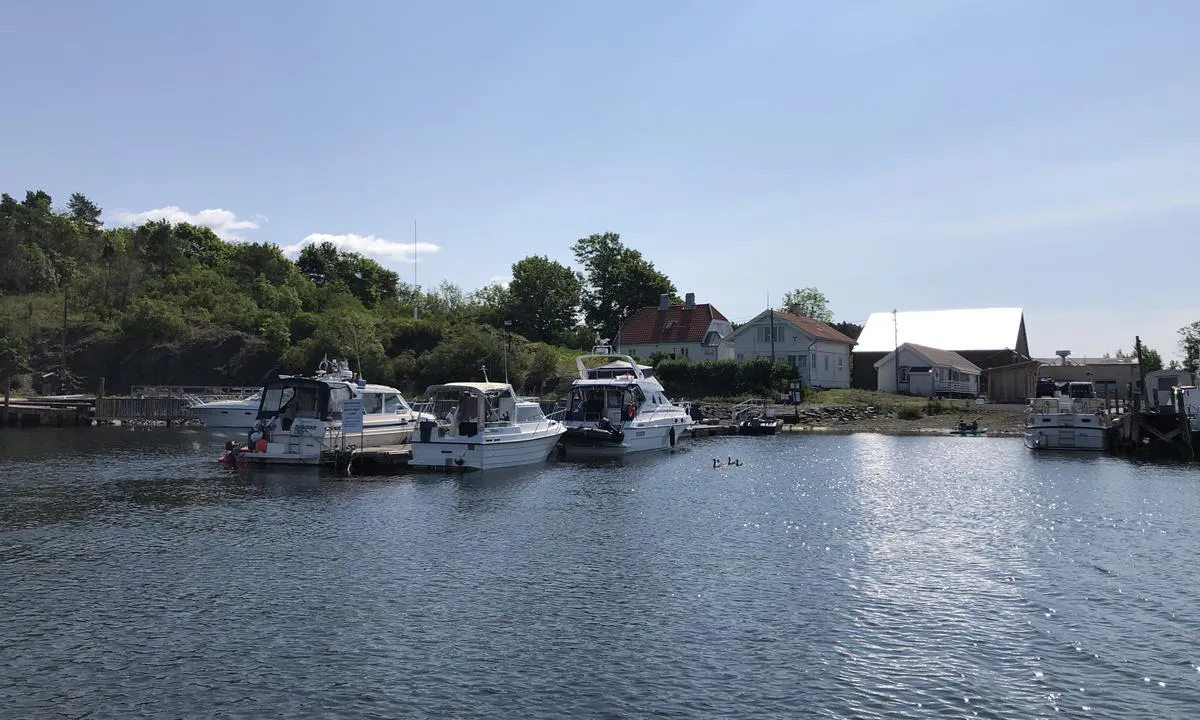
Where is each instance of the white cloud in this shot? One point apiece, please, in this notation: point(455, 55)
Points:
point(368, 245)
point(223, 222)
point(500, 280)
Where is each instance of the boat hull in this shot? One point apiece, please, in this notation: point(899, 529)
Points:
point(1065, 437)
point(226, 418)
point(634, 440)
point(456, 453)
point(285, 449)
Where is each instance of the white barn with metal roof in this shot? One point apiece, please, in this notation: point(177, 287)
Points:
point(987, 337)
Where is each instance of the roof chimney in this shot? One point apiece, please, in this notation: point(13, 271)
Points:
point(664, 301)
point(689, 302)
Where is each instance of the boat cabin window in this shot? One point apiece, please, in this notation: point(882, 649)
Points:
point(337, 393)
point(1080, 390)
point(372, 403)
point(391, 404)
point(292, 401)
point(529, 414)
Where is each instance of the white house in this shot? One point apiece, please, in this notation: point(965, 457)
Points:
point(927, 371)
point(988, 337)
point(820, 353)
point(681, 331)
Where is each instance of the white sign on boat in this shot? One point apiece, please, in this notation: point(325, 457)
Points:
point(352, 415)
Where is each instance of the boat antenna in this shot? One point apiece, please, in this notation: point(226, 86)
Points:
point(357, 352)
point(416, 287)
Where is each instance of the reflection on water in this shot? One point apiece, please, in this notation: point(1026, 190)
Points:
point(853, 576)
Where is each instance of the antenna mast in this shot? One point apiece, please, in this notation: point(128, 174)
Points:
point(416, 287)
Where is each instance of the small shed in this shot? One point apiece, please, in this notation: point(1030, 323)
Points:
point(1014, 383)
point(927, 371)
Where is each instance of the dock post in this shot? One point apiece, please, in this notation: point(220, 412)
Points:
point(7, 393)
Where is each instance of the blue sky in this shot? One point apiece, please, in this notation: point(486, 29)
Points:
point(914, 154)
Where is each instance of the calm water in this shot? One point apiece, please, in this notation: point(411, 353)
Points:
point(848, 576)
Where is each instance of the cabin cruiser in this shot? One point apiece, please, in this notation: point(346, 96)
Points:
point(1074, 420)
point(300, 419)
point(228, 414)
point(482, 426)
point(619, 408)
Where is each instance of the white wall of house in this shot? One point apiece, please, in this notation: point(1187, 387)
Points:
point(695, 351)
point(945, 379)
point(821, 363)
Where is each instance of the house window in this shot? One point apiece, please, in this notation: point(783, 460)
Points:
point(683, 352)
point(792, 360)
point(741, 356)
point(841, 363)
point(826, 362)
point(765, 334)
point(812, 361)
point(903, 373)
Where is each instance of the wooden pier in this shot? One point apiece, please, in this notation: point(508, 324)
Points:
point(369, 459)
point(59, 411)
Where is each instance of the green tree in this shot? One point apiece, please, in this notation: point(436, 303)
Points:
point(160, 246)
point(1189, 343)
point(808, 302)
point(545, 297)
point(491, 305)
point(618, 281)
point(849, 329)
point(1151, 360)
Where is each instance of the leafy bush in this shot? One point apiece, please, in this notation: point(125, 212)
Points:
point(724, 378)
point(154, 321)
point(909, 412)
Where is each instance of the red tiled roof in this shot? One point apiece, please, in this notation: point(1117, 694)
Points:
point(675, 324)
point(816, 328)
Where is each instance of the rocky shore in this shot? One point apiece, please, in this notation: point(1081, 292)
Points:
point(1000, 420)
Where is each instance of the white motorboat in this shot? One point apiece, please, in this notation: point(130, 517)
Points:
point(482, 426)
point(300, 422)
point(619, 408)
point(228, 414)
point(1078, 421)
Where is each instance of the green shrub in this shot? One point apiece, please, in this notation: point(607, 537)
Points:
point(909, 412)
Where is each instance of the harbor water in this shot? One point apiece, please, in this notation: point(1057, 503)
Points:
point(853, 576)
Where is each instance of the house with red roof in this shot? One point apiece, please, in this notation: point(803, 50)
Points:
point(820, 353)
point(693, 331)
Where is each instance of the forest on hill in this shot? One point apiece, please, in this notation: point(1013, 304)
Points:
point(163, 303)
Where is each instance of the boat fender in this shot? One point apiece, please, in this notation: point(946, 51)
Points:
point(672, 436)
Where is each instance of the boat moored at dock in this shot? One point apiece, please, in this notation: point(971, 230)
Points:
point(302, 420)
point(482, 426)
point(619, 408)
point(1076, 421)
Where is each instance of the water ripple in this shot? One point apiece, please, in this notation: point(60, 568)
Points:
point(842, 577)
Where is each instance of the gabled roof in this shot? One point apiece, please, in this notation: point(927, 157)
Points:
point(1088, 361)
point(675, 324)
point(816, 328)
point(959, 330)
point(939, 358)
point(813, 328)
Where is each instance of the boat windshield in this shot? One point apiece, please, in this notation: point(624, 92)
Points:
point(294, 400)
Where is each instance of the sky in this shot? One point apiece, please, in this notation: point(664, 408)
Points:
point(907, 154)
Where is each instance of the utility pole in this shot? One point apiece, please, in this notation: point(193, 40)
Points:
point(896, 348)
point(771, 309)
